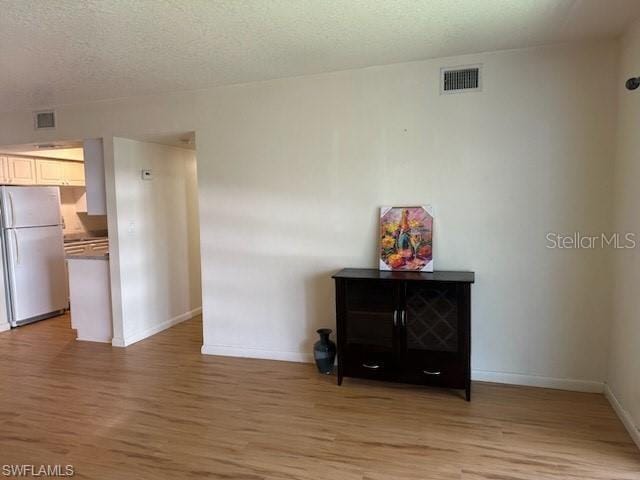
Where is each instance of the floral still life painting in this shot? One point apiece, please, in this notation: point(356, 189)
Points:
point(406, 238)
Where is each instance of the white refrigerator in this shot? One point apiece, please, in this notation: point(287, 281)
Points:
point(33, 252)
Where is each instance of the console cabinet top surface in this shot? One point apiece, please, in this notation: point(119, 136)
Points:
point(437, 276)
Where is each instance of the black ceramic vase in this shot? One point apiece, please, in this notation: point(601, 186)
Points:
point(324, 352)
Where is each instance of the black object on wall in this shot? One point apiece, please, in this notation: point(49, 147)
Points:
point(632, 83)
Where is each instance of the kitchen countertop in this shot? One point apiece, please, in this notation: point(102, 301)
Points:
point(85, 237)
point(70, 242)
point(95, 255)
point(87, 249)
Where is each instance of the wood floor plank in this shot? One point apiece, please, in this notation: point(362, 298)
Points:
point(159, 409)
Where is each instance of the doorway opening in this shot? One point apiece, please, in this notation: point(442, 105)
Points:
point(153, 189)
point(102, 234)
point(44, 217)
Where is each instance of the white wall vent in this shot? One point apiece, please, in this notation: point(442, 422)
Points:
point(44, 119)
point(461, 79)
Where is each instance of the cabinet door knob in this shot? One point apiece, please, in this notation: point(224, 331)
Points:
point(395, 318)
point(403, 318)
point(428, 372)
point(372, 366)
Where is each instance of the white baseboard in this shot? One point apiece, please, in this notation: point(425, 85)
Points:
point(590, 386)
point(624, 416)
point(100, 340)
point(479, 375)
point(229, 351)
point(4, 327)
point(136, 337)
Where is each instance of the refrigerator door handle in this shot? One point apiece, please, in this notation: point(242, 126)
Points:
point(15, 239)
point(13, 218)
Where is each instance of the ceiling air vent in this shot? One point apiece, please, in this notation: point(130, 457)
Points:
point(44, 119)
point(460, 79)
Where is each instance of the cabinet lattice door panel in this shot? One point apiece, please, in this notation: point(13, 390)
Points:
point(432, 317)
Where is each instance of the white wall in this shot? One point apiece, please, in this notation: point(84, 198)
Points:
point(624, 364)
point(158, 238)
point(72, 201)
point(303, 165)
point(292, 172)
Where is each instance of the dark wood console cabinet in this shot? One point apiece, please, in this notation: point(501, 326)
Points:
point(410, 327)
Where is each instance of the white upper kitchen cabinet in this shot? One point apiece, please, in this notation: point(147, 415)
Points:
point(21, 171)
point(94, 176)
point(59, 172)
point(4, 178)
point(73, 173)
point(49, 172)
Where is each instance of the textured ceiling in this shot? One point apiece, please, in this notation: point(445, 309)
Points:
point(66, 51)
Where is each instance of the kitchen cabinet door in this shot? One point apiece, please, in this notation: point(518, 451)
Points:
point(21, 171)
point(49, 172)
point(95, 176)
point(73, 173)
point(4, 178)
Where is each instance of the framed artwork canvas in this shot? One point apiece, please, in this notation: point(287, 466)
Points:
point(406, 238)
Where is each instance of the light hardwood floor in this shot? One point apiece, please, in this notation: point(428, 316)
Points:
point(159, 409)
